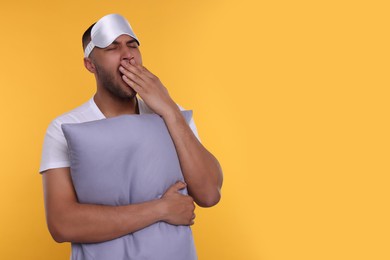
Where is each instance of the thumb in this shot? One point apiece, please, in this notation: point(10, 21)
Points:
point(177, 186)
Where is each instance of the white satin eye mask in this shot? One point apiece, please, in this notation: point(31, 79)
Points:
point(106, 30)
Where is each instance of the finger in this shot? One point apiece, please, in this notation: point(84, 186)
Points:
point(132, 76)
point(132, 84)
point(177, 186)
point(138, 69)
point(192, 220)
point(147, 73)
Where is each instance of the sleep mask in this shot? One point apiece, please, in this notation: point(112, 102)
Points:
point(106, 30)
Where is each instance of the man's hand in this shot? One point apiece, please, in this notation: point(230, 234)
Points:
point(70, 221)
point(149, 87)
point(201, 170)
point(178, 208)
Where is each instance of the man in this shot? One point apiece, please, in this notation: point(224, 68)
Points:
point(112, 54)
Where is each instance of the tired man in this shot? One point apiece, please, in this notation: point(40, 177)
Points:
point(112, 54)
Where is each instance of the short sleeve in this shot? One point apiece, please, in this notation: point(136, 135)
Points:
point(193, 128)
point(191, 124)
point(55, 149)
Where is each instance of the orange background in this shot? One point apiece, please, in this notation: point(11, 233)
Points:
point(291, 96)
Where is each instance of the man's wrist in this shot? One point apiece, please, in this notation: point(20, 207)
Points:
point(161, 209)
point(173, 115)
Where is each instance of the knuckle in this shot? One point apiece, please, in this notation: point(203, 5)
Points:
point(135, 70)
point(154, 78)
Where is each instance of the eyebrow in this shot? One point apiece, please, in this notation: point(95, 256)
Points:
point(130, 41)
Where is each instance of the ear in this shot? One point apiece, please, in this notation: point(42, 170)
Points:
point(88, 64)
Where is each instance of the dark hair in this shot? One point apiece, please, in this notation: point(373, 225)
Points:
point(87, 36)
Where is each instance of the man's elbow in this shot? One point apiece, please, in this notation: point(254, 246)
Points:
point(209, 200)
point(58, 231)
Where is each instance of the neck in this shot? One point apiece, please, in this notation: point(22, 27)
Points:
point(113, 106)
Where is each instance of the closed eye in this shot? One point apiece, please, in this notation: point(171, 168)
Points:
point(111, 47)
point(133, 45)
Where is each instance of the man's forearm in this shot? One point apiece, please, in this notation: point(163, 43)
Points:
point(201, 169)
point(84, 223)
point(70, 221)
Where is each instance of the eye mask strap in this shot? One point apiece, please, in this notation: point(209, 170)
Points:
point(88, 49)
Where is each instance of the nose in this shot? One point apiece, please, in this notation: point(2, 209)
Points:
point(126, 54)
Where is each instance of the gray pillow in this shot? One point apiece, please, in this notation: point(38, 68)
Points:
point(124, 160)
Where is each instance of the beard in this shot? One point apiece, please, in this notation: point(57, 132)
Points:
point(111, 85)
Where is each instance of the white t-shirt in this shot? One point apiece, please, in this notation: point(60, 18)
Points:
point(55, 147)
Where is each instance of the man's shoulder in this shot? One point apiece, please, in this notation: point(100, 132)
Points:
point(82, 113)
